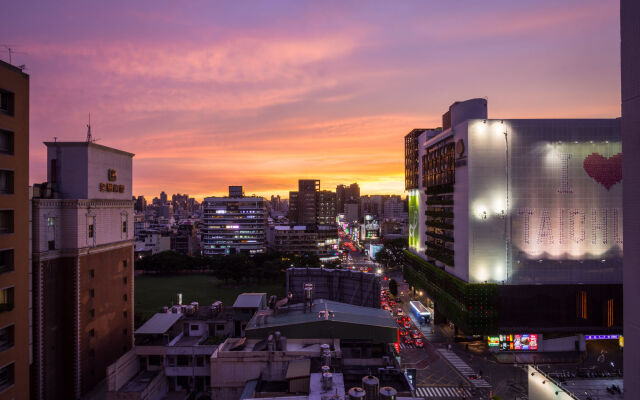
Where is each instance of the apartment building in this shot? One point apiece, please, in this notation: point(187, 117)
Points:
point(15, 337)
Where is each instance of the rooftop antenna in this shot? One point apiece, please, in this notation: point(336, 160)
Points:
point(89, 138)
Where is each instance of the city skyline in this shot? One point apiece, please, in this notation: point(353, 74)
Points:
point(226, 95)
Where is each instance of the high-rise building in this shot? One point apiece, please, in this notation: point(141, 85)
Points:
point(630, 50)
point(234, 224)
point(305, 210)
point(525, 212)
point(141, 203)
point(82, 267)
point(15, 338)
point(326, 207)
point(312, 206)
point(345, 194)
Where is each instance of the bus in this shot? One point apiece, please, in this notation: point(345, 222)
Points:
point(420, 311)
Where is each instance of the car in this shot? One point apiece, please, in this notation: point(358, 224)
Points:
point(415, 334)
point(399, 312)
point(402, 332)
point(407, 340)
point(419, 343)
point(407, 325)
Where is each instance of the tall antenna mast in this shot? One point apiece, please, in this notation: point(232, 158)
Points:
point(89, 138)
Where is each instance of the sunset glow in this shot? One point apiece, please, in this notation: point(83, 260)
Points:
point(260, 94)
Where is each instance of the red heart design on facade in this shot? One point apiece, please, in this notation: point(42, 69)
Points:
point(605, 171)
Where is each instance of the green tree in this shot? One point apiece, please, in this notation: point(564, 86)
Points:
point(393, 287)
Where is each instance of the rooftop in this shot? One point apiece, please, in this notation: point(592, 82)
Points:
point(249, 300)
point(327, 319)
point(158, 324)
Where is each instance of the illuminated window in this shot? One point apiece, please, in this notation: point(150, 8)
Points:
point(581, 302)
point(90, 230)
point(609, 313)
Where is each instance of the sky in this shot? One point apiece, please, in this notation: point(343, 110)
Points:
point(209, 94)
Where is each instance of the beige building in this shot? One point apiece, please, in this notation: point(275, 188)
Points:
point(82, 267)
point(15, 335)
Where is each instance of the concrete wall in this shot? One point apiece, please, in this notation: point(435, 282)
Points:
point(121, 371)
point(630, 33)
point(544, 391)
point(81, 167)
point(352, 287)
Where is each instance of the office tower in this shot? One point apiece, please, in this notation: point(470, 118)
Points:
point(234, 224)
point(346, 194)
point(141, 203)
point(82, 267)
point(630, 51)
point(326, 207)
point(15, 338)
point(163, 198)
point(520, 212)
point(303, 202)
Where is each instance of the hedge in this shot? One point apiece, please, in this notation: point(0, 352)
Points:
point(471, 306)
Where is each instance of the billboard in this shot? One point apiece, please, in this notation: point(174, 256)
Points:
point(517, 342)
point(546, 201)
point(414, 219)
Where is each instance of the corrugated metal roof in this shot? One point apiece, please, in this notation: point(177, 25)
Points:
point(249, 300)
point(158, 324)
point(298, 369)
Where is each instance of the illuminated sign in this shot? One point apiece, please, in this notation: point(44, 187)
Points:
point(112, 175)
point(602, 337)
point(493, 341)
point(521, 342)
point(414, 219)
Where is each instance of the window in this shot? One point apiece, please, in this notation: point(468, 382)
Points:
point(92, 333)
point(92, 293)
point(199, 361)
point(6, 182)
point(124, 226)
point(92, 313)
point(6, 142)
point(219, 327)
point(171, 361)
point(6, 221)
point(6, 337)
point(124, 280)
point(194, 327)
point(124, 263)
point(124, 332)
point(6, 260)
point(183, 361)
point(90, 233)
point(581, 303)
point(155, 360)
point(51, 221)
point(6, 299)
point(609, 313)
point(92, 354)
point(51, 244)
point(124, 314)
point(124, 297)
point(7, 100)
point(92, 273)
point(6, 376)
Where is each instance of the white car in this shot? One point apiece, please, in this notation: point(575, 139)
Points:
point(399, 312)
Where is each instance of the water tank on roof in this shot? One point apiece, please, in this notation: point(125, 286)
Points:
point(357, 393)
point(325, 368)
point(165, 309)
point(195, 305)
point(327, 381)
point(388, 393)
point(371, 386)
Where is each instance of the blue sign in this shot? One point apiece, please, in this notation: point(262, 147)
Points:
point(601, 337)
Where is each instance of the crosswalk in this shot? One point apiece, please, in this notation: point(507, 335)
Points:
point(463, 368)
point(407, 346)
point(443, 391)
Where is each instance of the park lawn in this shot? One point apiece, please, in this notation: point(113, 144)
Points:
point(152, 292)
